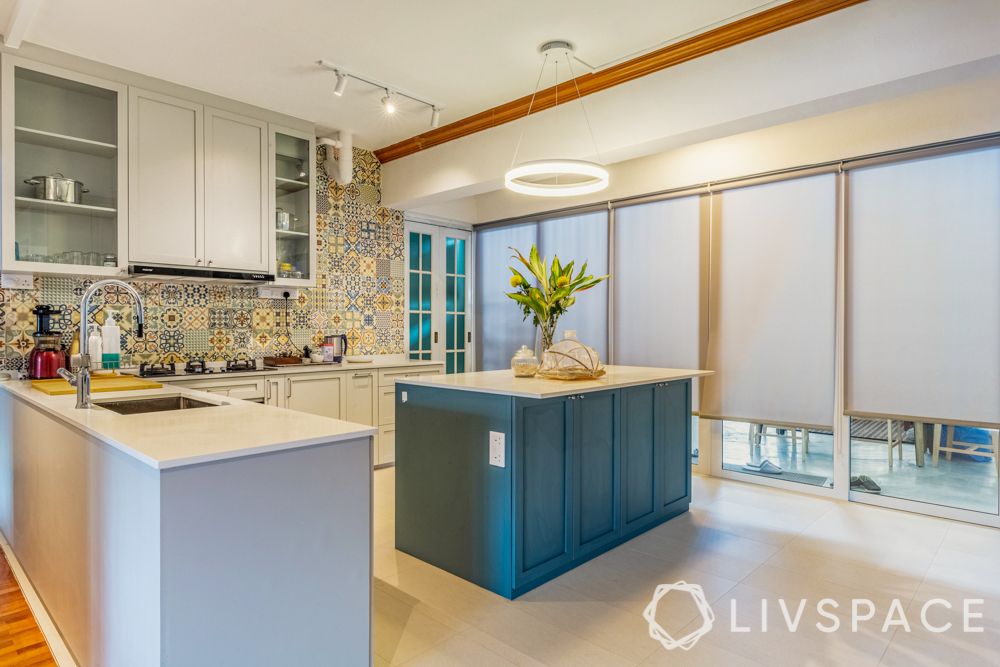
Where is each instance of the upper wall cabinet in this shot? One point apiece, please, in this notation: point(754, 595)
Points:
point(64, 170)
point(166, 182)
point(236, 192)
point(292, 206)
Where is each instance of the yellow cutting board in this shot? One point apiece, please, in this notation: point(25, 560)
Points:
point(98, 383)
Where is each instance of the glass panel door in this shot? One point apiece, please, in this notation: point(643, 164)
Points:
point(439, 270)
point(66, 171)
point(457, 333)
point(421, 303)
point(292, 214)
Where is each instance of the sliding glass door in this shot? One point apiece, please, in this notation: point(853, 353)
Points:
point(771, 335)
point(923, 330)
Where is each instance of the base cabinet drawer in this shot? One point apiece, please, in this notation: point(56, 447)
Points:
point(247, 389)
point(386, 445)
point(386, 405)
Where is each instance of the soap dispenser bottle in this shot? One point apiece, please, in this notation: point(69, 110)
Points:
point(111, 344)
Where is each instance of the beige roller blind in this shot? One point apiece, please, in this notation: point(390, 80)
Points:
point(657, 285)
point(772, 303)
point(923, 289)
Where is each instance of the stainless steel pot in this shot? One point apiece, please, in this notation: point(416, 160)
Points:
point(57, 188)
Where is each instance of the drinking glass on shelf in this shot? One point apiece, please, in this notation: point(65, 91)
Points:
point(93, 258)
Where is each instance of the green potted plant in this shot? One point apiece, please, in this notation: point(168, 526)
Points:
point(550, 293)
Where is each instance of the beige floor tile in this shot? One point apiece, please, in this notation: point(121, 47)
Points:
point(545, 642)
point(965, 570)
point(967, 538)
point(703, 654)
point(609, 627)
point(925, 648)
point(459, 651)
point(405, 627)
point(777, 645)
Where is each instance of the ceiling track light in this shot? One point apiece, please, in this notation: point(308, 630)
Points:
point(387, 103)
point(338, 89)
point(389, 100)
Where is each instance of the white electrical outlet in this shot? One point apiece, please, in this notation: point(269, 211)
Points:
point(497, 455)
point(405, 397)
point(17, 281)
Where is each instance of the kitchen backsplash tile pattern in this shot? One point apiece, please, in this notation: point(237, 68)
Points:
point(359, 291)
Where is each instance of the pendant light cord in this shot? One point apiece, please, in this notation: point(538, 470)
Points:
point(583, 108)
point(517, 147)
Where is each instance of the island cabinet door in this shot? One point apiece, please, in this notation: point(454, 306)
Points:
point(542, 487)
point(672, 417)
point(639, 487)
point(596, 472)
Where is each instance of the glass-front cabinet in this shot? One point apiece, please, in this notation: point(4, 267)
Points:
point(293, 164)
point(65, 199)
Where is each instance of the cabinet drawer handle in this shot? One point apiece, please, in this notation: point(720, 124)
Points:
point(362, 375)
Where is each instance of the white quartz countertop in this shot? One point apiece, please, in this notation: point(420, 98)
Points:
point(377, 364)
point(176, 438)
point(504, 382)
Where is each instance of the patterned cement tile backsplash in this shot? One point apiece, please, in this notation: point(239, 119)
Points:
point(359, 291)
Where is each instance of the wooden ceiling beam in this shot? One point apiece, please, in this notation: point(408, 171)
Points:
point(743, 30)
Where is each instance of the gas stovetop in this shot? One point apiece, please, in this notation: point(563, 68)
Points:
point(199, 367)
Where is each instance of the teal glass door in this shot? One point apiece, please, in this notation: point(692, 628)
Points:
point(457, 334)
point(421, 302)
point(439, 304)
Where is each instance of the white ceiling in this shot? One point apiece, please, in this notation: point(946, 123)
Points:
point(466, 56)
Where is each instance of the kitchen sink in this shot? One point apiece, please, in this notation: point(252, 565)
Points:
point(138, 406)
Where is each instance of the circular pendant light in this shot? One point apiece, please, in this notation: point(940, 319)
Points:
point(556, 177)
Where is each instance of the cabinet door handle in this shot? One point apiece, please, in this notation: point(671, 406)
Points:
point(288, 387)
point(267, 391)
point(197, 261)
point(210, 262)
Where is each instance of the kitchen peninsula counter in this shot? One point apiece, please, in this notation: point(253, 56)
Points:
point(509, 482)
point(230, 534)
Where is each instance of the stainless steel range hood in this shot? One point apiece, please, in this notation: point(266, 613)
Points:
point(154, 272)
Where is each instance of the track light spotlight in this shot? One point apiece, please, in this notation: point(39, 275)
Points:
point(338, 89)
point(387, 103)
point(435, 117)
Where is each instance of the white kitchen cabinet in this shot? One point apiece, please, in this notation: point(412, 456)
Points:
point(236, 192)
point(292, 209)
point(245, 388)
point(362, 398)
point(274, 391)
point(387, 377)
point(320, 393)
point(56, 122)
point(166, 180)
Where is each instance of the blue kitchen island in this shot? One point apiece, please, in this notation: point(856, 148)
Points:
point(509, 482)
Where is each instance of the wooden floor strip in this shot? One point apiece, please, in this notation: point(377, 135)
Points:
point(21, 641)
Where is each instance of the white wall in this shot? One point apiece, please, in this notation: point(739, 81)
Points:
point(875, 50)
point(967, 108)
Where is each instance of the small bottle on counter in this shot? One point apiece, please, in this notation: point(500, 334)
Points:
point(95, 348)
point(111, 343)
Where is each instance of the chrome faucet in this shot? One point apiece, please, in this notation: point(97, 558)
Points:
point(81, 380)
